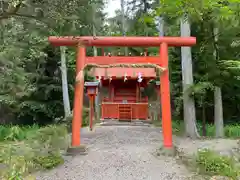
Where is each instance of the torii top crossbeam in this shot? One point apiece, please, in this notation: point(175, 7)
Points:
point(102, 41)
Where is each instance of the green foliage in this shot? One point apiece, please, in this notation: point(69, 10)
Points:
point(218, 9)
point(177, 126)
point(16, 133)
point(201, 88)
point(30, 90)
point(208, 70)
point(68, 121)
point(50, 138)
point(50, 161)
point(230, 130)
point(39, 150)
point(214, 164)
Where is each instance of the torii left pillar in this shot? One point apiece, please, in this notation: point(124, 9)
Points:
point(78, 103)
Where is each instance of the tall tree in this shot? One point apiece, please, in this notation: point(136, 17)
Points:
point(187, 80)
point(37, 77)
point(161, 34)
point(218, 109)
point(65, 93)
point(97, 107)
point(123, 23)
point(161, 26)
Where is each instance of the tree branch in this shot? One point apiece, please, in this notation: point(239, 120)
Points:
point(31, 17)
point(12, 10)
point(26, 16)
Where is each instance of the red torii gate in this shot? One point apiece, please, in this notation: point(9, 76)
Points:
point(81, 42)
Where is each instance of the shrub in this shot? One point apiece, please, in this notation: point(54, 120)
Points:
point(68, 120)
point(49, 138)
point(16, 133)
point(177, 126)
point(41, 150)
point(211, 163)
point(49, 161)
point(232, 131)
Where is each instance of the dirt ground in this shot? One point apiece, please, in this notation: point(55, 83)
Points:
point(120, 153)
point(129, 153)
point(223, 146)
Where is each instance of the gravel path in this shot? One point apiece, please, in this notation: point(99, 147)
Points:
point(120, 153)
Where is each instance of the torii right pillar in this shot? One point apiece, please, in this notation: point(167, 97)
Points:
point(165, 98)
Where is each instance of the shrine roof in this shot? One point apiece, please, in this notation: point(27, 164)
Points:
point(120, 72)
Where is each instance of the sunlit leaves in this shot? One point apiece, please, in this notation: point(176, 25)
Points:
point(232, 65)
point(29, 69)
point(202, 87)
point(220, 10)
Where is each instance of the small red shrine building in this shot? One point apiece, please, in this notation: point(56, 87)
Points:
point(123, 100)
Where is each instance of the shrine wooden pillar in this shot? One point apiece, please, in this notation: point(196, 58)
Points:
point(91, 112)
point(78, 97)
point(111, 91)
point(137, 92)
point(165, 98)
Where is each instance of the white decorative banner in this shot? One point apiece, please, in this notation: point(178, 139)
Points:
point(139, 77)
point(125, 77)
point(110, 79)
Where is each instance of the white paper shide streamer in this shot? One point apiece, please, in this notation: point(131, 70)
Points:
point(125, 77)
point(139, 77)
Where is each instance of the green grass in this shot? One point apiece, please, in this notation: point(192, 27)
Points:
point(208, 162)
point(177, 126)
point(24, 150)
point(211, 163)
point(231, 131)
point(68, 120)
point(16, 133)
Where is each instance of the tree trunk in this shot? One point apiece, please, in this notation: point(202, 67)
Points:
point(187, 80)
point(218, 109)
point(218, 113)
point(204, 129)
point(161, 26)
point(123, 25)
point(94, 27)
point(66, 103)
point(161, 34)
point(96, 99)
